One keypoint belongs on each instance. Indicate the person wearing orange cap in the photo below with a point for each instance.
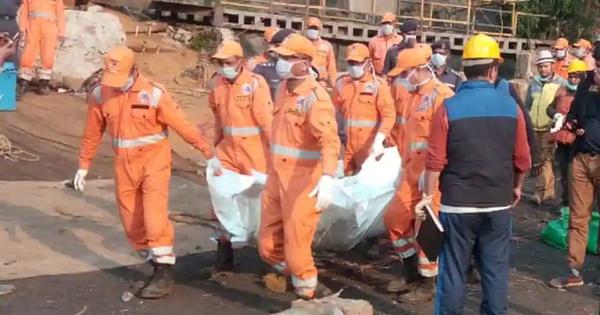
(367, 108)
(304, 154)
(136, 113)
(43, 24)
(408, 31)
(242, 107)
(325, 58)
(562, 56)
(583, 52)
(252, 62)
(387, 37)
(426, 95)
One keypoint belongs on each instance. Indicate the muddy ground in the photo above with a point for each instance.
(50, 128)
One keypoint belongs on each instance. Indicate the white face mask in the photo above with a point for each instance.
(387, 29)
(413, 87)
(561, 54)
(229, 72)
(312, 34)
(579, 52)
(284, 69)
(128, 85)
(438, 60)
(356, 71)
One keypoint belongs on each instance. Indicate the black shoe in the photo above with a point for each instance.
(224, 256)
(22, 88)
(421, 291)
(410, 274)
(161, 283)
(43, 87)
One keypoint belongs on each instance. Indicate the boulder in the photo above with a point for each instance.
(330, 305)
(90, 35)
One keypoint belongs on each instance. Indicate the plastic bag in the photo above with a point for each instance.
(556, 232)
(356, 212)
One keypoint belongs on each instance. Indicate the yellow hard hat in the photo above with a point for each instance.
(481, 47)
(577, 66)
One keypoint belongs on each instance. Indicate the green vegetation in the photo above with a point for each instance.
(206, 40)
(572, 19)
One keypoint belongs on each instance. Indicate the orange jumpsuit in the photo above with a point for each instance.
(561, 66)
(304, 146)
(243, 112)
(399, 218)
(43, 22)
(325, 61)
(401, 97)
(367, 108)
(137, 122)
(379, 46)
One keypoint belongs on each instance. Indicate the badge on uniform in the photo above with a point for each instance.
(369, 88)
(426, 103)
(246, 89)
(144, 98)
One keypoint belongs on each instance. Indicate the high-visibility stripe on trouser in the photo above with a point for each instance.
(405, 247)
(305, 287)
(288, 222)
(163, 255)
(142, 191)
(42, 38)
(426, 267)
(399, 217)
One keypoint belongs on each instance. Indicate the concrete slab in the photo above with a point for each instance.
(47, 229)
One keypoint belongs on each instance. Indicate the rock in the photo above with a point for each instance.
(127, 296)
(90, 35)
(330, 305)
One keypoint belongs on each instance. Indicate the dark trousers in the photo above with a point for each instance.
(490, 234)
(563, 152)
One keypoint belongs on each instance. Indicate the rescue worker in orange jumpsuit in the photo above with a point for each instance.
(583, 52)
(426, 95)
(325, 59)
(304, 152)
(367, 108)
(387, 37)
(243, 108)
(562, 56)
(136, 112)
(42, 23)
(252, 62)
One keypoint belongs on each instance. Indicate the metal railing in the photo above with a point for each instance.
(467, 17)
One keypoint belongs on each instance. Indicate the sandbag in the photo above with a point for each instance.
(556, 232)
(356, 212)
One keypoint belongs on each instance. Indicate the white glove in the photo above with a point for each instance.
(559, 120)
(426, 200)
(79, 179)
(377, 147)
(323, 192)
(339, 172)
(259, 178)
(214, 165)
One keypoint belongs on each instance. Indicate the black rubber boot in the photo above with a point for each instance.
(224, 256)
(161, 283)
(409, 275)
(422, 291)
(44, 87)
(22, 88)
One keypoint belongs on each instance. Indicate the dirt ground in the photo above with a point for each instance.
(51, 126)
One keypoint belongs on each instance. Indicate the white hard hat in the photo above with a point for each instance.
(544, 56)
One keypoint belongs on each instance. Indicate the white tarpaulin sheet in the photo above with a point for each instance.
(355, 214)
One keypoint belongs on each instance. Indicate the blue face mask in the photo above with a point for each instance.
(229, 72)
(571, 87)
